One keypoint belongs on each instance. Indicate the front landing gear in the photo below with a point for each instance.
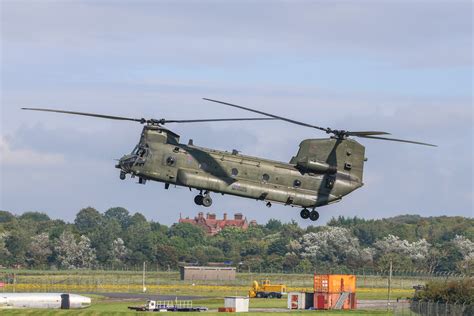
(203, 200)
(304, 213)
(198, 199)
(313, 215)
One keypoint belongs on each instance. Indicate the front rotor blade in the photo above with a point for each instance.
(366, 133)
(217, 120)
(111, 117)
(396, 140)
(269, 115)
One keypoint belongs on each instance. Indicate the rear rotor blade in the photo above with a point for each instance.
(216, 120)
(366, 133)
(270, 115)
(397, 140)
(111, 117)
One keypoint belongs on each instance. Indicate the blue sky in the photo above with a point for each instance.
(400, 66)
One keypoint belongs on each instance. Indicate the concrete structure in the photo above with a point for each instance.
(212, 225)
(43, 300)
(207, 273)
(237, 303)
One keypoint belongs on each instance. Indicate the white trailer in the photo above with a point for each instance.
(43, 300)
(240, 303)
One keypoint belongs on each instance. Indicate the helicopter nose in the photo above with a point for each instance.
(126, 163)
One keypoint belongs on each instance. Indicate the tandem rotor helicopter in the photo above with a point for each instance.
(322, 172)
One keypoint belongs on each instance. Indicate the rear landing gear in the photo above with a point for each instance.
(203, 200)
(313, 215)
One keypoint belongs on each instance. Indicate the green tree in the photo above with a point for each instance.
(459, 292)
(139, 239)
(4, 253)
(6, 217)
(88, 220)
(193, 235)
(17, 243)
(138, 218)
(278, 247)
(120, 214)
(34, 217)
(39, 250)
(166, 256)
(274, 225)
(102, 240)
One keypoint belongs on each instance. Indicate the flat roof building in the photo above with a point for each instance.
(207, 273)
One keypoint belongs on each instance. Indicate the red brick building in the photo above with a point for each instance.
(212, 225)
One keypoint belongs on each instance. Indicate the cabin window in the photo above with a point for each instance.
(170, 161)
(234, 171)
(297, 183)
(265, 177)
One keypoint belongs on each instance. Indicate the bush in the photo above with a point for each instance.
(460, 292)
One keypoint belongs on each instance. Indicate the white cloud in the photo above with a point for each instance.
(26, 157)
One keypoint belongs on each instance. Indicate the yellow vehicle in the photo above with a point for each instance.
(267, 290)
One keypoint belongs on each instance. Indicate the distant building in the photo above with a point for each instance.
(212, 225)
(207, 273)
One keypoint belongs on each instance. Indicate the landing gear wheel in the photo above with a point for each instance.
(304, 213)
(206, 201)
(313, 215)
(198, 199)
(122, 175)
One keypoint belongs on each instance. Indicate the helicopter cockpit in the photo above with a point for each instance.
(141, 151)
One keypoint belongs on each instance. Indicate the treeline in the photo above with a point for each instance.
(118, 239)
(450, 292)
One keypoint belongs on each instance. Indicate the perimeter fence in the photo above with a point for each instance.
(132, 280)
(429, 308)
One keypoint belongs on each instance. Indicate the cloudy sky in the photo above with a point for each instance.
(400, 66)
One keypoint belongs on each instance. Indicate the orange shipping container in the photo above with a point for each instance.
(324, 300)
(334, 283)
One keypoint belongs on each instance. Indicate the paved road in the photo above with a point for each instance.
(146, 296)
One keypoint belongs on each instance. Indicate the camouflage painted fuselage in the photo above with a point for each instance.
(323, 171)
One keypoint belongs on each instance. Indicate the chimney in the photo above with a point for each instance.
(200, 215)
(225, 216)
(207, 215)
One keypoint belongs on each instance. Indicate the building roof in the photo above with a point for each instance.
(212, 225)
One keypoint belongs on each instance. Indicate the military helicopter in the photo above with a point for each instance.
(322, 172)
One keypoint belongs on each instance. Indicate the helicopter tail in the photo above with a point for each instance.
(328, 156)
